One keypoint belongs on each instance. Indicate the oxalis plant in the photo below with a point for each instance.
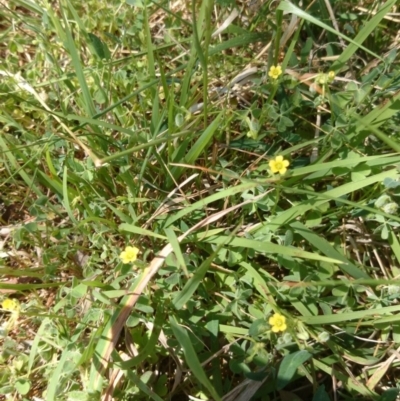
(199, 200)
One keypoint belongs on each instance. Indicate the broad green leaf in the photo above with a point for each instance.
(321, 394)
(288, 367)
(22, 386)
(100, 48)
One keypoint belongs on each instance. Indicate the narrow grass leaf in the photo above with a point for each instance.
(44, 326)
(148, 350)
(394, 243)
(27, 287)
(200, 145)
(137, 381)
(212, 198)
(76, 62)
(362, 35)
(149, 47)
(325, 247)
(259, 283)
(10, 154)
(325, 169)
(140, 231)
(239, 41)
(191, 357)
(105, 342)
(270, 248)
(381, 370)
(378, 116)
(66, 196)
(190, 287)
(173, 240)
(58, 377)
(369, 314)
(290, 214)
(353, 384)
(291, 8)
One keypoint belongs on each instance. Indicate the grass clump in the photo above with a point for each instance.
(199, 200)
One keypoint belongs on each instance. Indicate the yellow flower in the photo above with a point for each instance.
(331, 76)
(278, 323)
(11, 305)
(279, 165)
(275, 72)
(129, 255)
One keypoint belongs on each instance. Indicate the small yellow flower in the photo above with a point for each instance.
(278, 323)
(279, 165)
(331, 76)
(129, 255)
(275, 72)
(11, 305)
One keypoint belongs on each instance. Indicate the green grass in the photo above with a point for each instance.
(127, 124)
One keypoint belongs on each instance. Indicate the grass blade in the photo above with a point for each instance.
(191, 357)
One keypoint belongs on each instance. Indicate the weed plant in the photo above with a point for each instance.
(199, 200)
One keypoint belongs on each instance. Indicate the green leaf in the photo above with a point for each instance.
(173, 240)
(78, 396)
(140, 231)
(363, 34)
(258, 327)
(242, 40)
(325, 247)
(99, 47)
(289, 365)
(291, 8)
(321, 394)
(76, 61)
(194, 152)
(313, 218)
(150, 346)
(357, 315)
(23, 386)
(191, 357)
(267, 247)
(292, 213)
(390, 395)
(191, 286)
